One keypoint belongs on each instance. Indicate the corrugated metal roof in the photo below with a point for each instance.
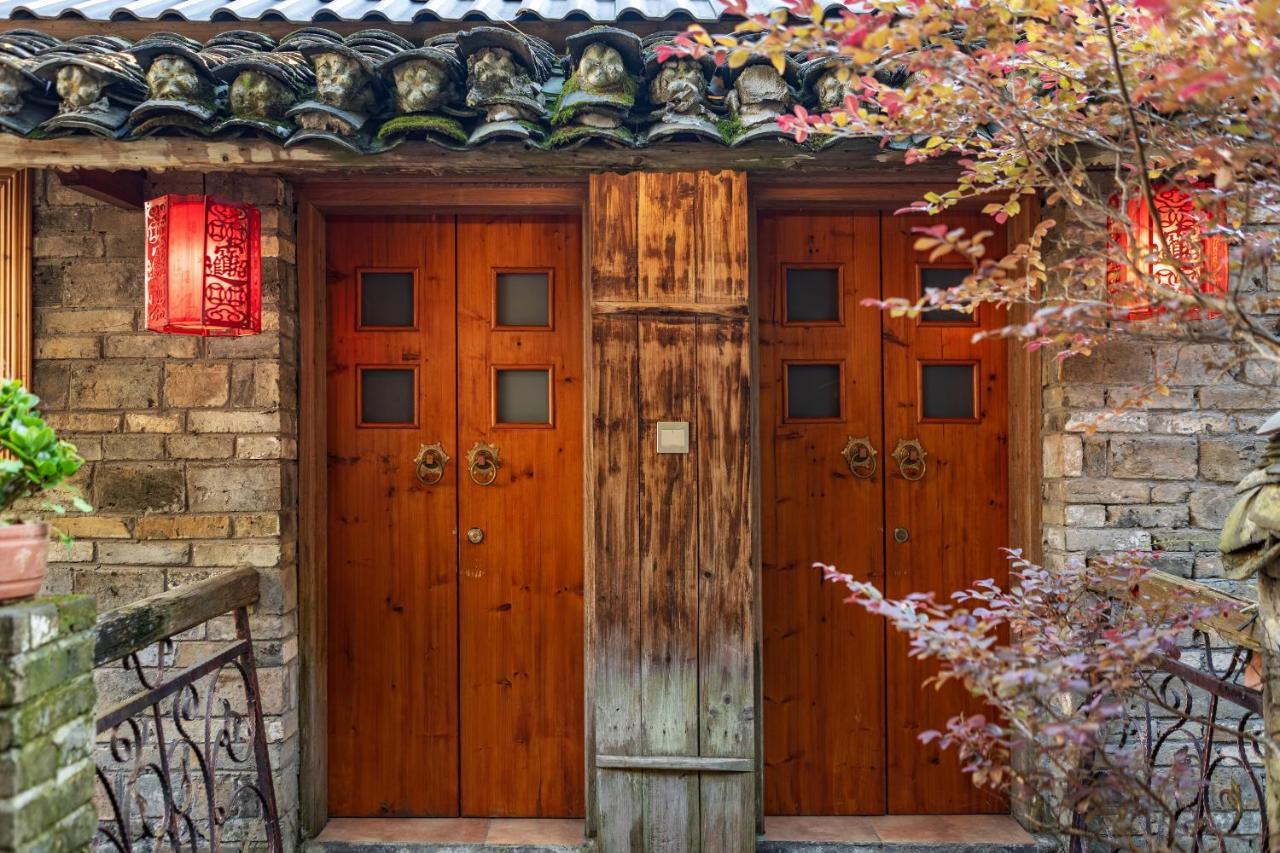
(373, 11)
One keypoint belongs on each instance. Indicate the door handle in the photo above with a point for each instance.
(861, 457)
(483, 463)
(909, 454)
(429, 463)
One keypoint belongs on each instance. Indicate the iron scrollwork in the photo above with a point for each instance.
(186, 764)
(1208, 721)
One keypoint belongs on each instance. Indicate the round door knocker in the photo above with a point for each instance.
(910, 458)
(483, 463)
(430, 463)
(861, 457)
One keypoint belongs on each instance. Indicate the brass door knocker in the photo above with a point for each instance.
(430, 463)
(483, 463)
(861, 457)
(910, 458)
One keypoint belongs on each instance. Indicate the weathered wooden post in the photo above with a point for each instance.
(671, 587)
(1250, 546)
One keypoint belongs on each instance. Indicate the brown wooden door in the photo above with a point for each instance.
(824, 744)
(951, 396)
(455, 668)
(392, 632)
(520, 389)
(843, 703)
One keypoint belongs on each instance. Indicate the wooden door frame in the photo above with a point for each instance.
(315, 202)
(1025, 459)
(319, 199)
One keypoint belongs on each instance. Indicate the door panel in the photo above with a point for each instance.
(956, 514)
(823, 659)
(455, 668)
(844, 704)
(519, 384)
(392, 632)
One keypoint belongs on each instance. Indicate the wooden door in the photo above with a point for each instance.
(824, 687)
(393, 678)
(520, 389)
(950, 395)
(844, 704)
(455, 590)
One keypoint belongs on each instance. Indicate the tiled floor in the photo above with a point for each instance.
(899, 829)
(995, 830)
(466, 830)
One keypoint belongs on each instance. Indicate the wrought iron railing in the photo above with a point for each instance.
(1204, 711)
(182, 760)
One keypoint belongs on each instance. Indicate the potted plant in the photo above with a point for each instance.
(34, 468)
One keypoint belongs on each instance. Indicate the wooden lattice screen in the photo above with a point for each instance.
(15, 274)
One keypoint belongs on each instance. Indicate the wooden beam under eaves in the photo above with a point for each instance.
(123, 189)
(15, 274)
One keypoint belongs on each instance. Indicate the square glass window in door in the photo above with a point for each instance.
(812, 296)
(387, 396)
(949, 391)
(814, 391)
(522, 299)
(387, 299)
(944, 278)
(522, 396)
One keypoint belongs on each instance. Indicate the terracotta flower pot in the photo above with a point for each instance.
(24, 554)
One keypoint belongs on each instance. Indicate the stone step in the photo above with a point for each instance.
(763, 846)
(897, 834)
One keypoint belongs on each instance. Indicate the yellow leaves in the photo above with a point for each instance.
(779, 62)
(739, 57)
(934, 142)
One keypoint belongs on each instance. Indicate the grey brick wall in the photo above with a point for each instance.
(191, 442)
(1158, 478)
(46, 724)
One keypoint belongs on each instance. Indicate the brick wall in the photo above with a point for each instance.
(191, 442)
(1157, 478)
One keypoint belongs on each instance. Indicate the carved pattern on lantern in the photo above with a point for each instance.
(227, 267)
(203, 266)
(157, 269)
(1199, 257)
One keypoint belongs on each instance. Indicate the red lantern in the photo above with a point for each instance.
(204, 266)
(1200, 255)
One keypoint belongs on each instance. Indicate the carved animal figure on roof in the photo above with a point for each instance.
(678, 87)
(601, 91)
(341, 82)
(496, 81)
(256, 93)
(760, 94)
(174, 77)
(80, 88)
(505, 73)
(13, 85)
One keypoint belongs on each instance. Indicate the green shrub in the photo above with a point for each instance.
(36, 464)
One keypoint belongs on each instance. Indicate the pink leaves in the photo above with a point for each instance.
(1089, 634)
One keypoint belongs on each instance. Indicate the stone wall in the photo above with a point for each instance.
(191, 442)
(46, 724)
(1157, 478)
